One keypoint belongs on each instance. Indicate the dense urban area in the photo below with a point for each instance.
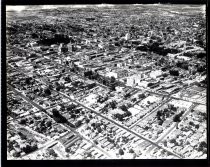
(107, 82)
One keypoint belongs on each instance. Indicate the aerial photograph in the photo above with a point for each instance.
(106, 81)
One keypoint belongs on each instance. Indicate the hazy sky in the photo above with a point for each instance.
(32, 7)
(27, 7)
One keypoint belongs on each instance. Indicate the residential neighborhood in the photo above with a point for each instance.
(101, 82)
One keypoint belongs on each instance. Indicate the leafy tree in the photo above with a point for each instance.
(173, 141)
(134, 100)
(87, 120)
(34, 35)
(57, 84)
(179, 64)
(22, 136)
(201, 69)
(77, 111)
(104, 110)
(67, 79)
(47, 92)
(159, 113)
(173, 108)
(90, 86)
(127, 95)
(34, 146)
(90, 116)
(78, 123)
(28, 81)
(49, 123)
(112, 79)
(99, 99)
(201, 55)
(113, 104)
(121, 152)
(16, 154)
(112, 87)
(23, 121)
(119, 116)
(166, 110)
(58, 88)
(123, 107)
(191, 123)
(186, 66)
(177, 118)
(52, 152)
(165, 143)
(27, 149)
(93, 124)
(202, 146)
(150, 84)
(131, 151)
(160, 122)
(141, 96)
(10, 145)
(88, 154)
(62, 107)
(88, 74)
(71, 107)
(99, 129)
(67, 150)
(127, 113)
(197, 126)
(165, 75)
(174, 72)
(73, 116)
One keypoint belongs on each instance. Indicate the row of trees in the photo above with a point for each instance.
(59, 86)
(102, 99)
(165, 113)
(46, 33)
(28, 147)
(126, 113)
(182, 64)
(199, 55)
(174, 72)
(185, 65)
(157, 47)
(194, 125)
(74, 113)
(111, 82)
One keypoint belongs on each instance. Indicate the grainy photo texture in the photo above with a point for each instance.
(106, 82)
